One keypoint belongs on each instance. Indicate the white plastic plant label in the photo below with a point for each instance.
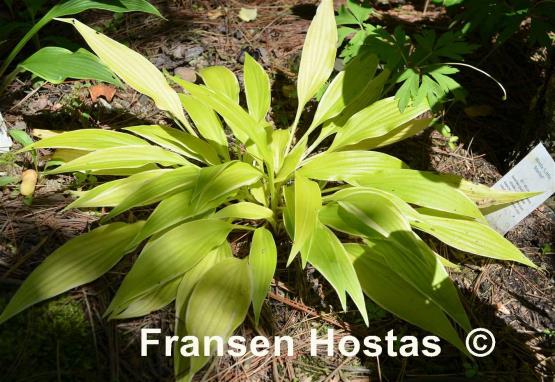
(5, 141)
(536, 172)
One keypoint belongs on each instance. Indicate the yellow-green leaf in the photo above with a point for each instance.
(167, 256)
(308, 202)
(110, 194)
(218, 304)
(150, 302)
(207, 123)
(262, 263)
(87, 140)
(327, 254)
(343, 165)
(318, 56)
(422, 188)
(280, 138)
(400, 133)
(473, 237)
(243, 125)
(77, 262)
(217, 181)
(178, 141)
(171, 211)
(221, 80)
(257, 88)
(345, 88)
(387, 289)
(122, 157)
(188, 282)
(133, 69)
(244, 210)
(485, 196)
(376, 120)
(154, 190)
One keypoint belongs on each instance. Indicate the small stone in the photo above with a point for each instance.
(264, 55)
(105, 105)
(192, 53)
(144, 100)
(186, 74)
(41, 103)
(179, 51)
(20, 125)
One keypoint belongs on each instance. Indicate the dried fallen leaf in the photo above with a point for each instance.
(101, 90)
(502, 309)
(28, 182)
(215, 14)
(248, 14)
(475, 111)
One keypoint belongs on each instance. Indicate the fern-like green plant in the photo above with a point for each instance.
(265, 182)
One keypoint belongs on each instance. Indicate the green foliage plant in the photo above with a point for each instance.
(422, 64)
(349, 211)
(55, 64)
(502, 19)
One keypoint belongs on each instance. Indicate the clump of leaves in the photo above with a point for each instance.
(56, 64)
(423, 64)
(266, 182)
(503, 19)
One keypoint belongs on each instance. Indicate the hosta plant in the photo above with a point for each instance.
(351, 213)
(56, 64)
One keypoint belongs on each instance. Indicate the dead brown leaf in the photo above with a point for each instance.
(101, 90)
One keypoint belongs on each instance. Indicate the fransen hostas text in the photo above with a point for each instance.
(259, 346)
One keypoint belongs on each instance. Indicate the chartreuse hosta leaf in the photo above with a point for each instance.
(182, 365)
(216, 181)
(223, 291)
(77, 262)
(222, 81)
(422, 188)
(374, 121)
(111, 194)
(345, 165)
(168, 256)
(345, 88)
(485, 196)
(151, 302)
(87, 140)
(383, 285)
(470, 236)
(245, 128)
(154, 190)
(262, 264)
(308, 202)
(257, 88)
(318, 54)
(133, 69)
(236, 171)
(327, 254)
(72, 7)
(245, 210)
(207, 123)
(414, 264)
(122, 157)
(178, 141)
